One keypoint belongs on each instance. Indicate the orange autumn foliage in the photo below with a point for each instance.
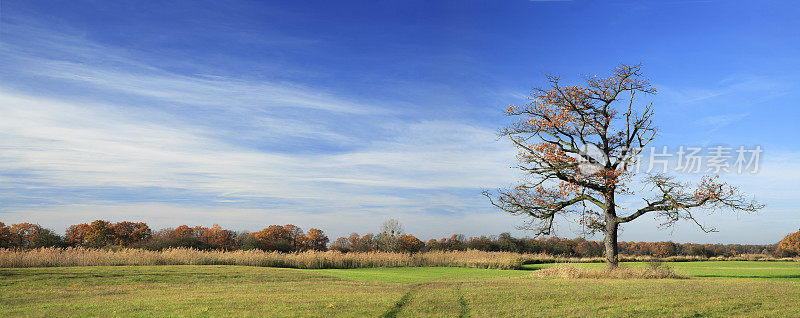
(790, 245)
(77, 234)
(183, 231)
(101, 233)
(274, 238)
(128, 233)
(356, 243)
(23, 234)
(201, 237)
(297, 240)
(316, 240)
(408, 243)
(28, 235)
(217, 238)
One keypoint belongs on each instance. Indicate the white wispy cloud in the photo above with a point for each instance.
(716, 122)
(756, 88)
(118, 126)
(91, 145)
(67, 145)
(200, 91)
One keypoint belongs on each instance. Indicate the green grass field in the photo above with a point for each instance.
(716, 289)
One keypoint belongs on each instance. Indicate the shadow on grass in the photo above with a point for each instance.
(532, 267)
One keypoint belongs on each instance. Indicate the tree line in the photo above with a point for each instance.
(577, 247)
(101, 234)
(391, 238)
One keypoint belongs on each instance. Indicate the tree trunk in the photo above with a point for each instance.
(612, 251)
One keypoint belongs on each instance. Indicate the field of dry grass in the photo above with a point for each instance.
(78, 256)
(57, 257)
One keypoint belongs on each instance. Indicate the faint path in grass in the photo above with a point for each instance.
(398, 306)
(464, 309)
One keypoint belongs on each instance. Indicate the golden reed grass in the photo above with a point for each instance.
(78, 256)
(545, 258)
(654, 271)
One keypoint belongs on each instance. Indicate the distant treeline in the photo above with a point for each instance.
(100, 234)
(290, 238)
(577, 247)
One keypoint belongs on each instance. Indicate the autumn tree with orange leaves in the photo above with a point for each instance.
(297, 240)
(128, 233)
(790, 245)
(274, 238)
(553, 133)
(316, 240)
(101, 233)
(409, 244)
(216, 237)
(28, 235)
(77, 234)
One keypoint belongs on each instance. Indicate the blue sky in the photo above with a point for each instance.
(340, 115)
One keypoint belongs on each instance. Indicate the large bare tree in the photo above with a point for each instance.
(575, 146)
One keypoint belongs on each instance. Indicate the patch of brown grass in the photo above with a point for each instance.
(654, 270)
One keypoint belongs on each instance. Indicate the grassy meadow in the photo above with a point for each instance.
(718, 288)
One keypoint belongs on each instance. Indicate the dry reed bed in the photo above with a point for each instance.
(544, 258)
(77, 256)
(654, 271)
